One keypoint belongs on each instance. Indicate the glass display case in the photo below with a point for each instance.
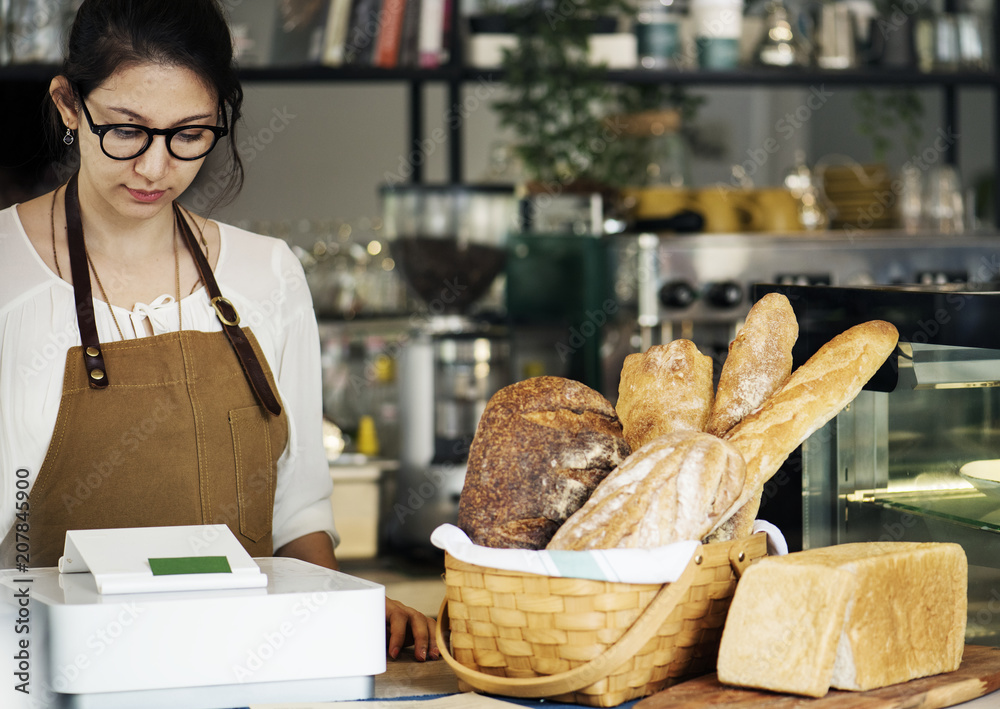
(916, 456)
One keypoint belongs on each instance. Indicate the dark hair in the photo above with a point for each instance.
(108, 35)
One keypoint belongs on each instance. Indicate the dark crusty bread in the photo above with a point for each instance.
(542, 446)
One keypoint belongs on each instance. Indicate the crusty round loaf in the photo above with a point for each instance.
(674, 488)
(541, 447)
(759, 361)
(667, 388)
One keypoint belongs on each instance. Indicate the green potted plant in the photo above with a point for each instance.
(557, 101)
(886, 114)
(573, 127)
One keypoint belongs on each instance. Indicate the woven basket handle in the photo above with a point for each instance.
(631, 641)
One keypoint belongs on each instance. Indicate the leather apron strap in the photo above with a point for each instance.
(93, 358)
(97, 373)
(230, 320)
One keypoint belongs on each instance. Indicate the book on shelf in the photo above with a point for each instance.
(411, 31)
(299, 29)
(446, 33)
(380, 33)
(252, 25)
(390, 31)
(362, 31)
(430, 38)
(338, 17)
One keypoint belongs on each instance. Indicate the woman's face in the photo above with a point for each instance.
(151, 95)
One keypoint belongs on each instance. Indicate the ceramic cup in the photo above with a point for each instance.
(775, 209)
(726, 210)
(657, 202)
(718, 26)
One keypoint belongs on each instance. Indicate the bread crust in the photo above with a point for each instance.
(672, 489)
(850, 616)
(812, 395)
(667, 388)
(759, 361)
(541, 447)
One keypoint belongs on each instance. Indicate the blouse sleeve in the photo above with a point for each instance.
(302, 496)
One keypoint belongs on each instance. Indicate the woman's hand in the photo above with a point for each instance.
(405, 626)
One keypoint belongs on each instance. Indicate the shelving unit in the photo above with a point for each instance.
(454, 76)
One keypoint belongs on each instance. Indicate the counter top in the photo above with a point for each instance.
(408, 684)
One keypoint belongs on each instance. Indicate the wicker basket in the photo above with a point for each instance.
(596, 643)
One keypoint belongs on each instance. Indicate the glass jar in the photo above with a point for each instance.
(718, 26)
(658, 34)
(35, 29)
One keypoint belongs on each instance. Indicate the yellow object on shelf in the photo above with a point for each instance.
(367, 437)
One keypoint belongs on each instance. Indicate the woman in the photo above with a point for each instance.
(158, 368)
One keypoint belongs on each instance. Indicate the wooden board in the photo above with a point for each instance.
(979, 674)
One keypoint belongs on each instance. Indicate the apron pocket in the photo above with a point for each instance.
(254, 471)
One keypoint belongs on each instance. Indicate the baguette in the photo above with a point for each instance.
(672, 489)
(759, 361)
(811, 396)
(665, 389)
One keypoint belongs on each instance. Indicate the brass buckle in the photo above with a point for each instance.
(225, 321)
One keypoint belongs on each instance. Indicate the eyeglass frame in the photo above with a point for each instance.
(168, 133)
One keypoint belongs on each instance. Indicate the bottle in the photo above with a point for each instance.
(367, 442)
(780, 46)
(718, 26)
(804, 185)
(658, 34)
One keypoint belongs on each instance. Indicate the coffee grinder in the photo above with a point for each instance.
(449, 242)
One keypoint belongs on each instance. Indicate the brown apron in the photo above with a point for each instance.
(177, 436)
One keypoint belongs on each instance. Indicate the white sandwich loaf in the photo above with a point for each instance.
(852, 617)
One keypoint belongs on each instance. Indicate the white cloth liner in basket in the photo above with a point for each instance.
(660, 565)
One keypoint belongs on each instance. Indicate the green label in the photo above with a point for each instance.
(190, 565)
(718, 53)
(657, 39)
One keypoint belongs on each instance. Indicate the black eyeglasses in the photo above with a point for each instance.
(124, 141)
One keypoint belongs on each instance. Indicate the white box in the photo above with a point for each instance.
(617, 50)
(311, 635)
(356, 502)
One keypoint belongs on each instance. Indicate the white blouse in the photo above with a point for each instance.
(266, 284)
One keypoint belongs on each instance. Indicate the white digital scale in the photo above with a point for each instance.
(284, 631)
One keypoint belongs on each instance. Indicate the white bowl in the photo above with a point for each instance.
(984, 474)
